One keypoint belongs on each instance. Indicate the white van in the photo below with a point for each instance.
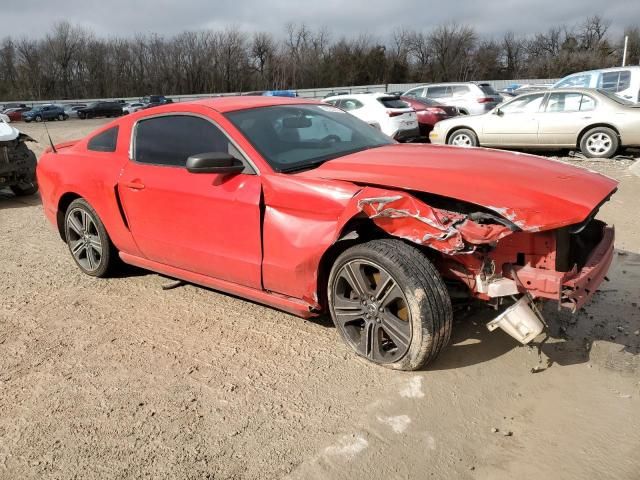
(623, 81)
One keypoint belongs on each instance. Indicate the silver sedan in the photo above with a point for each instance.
(593, 120)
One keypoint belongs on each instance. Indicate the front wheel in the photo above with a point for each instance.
(599, 142)
(88, 241)
(463, 138)
(38, 118)
(389, 304)
(25, 188)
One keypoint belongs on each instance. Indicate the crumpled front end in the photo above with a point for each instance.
(17, 162)
(494, 257)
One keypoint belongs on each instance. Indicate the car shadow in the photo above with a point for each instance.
(612, 316)
(9, 200)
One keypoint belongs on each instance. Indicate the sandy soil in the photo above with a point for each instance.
(119, 379)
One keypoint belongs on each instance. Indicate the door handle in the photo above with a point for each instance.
(134, 185)
(586, 118)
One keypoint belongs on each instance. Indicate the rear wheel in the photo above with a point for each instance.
(88, 241)
(463, 138)
(389, 304)
(599, 142)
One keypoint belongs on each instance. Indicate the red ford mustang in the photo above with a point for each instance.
(301, 206)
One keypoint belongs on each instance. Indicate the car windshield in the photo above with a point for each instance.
(296, 137)
(616, 98)
(392, 102)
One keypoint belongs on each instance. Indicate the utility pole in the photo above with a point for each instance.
(624, 51)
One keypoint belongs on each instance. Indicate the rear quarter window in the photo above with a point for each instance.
(105, 141)
(487, 89)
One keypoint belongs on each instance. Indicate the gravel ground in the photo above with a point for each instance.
(118, 378)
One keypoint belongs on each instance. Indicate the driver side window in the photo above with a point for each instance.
(170, 140)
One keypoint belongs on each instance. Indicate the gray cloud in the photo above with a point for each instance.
(33, 18)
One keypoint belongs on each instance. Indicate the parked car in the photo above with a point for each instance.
(11, 105)
(100, 109)
(389, 114)
(72, 109)
(44, 112)
(155, 100)
(595, 121)
(622, 81)
(298, 205)
(429, 112)
(17, 162)
(15, 114)
(470, 98)
(133, 107)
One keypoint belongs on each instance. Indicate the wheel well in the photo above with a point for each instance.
(63, 204)
(595, 125)
(455, 129)
(357, 230)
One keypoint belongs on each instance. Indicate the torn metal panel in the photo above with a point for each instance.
(404, 216)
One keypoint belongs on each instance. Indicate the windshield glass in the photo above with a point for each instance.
(616, 98)
(295, 137)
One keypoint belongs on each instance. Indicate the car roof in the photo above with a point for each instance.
(361, 96)
(609, 69)
(237, 102)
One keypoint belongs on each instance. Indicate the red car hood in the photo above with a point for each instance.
(534, 193)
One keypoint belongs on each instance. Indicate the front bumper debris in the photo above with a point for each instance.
(519, 321)
(571, 289)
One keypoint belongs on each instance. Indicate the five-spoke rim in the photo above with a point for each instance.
(462, 140)
(599, 143)
(372, 312)
(84, 239)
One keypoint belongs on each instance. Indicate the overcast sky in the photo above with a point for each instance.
(341, 17)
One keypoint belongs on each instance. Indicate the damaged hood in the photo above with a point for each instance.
(534, 193)
(7, 132)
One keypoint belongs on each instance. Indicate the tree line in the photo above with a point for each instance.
(71, 62)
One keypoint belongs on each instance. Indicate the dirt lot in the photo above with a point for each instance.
(119, 379)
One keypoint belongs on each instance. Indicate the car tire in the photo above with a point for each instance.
(389, 304)
(24, 189)
(87, 239)
(599, 142)
(463, 137)
(38, 118)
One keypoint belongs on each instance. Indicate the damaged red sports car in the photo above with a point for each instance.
(303, 207)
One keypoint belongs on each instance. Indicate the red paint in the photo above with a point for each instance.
(264, 236)
(428, 116)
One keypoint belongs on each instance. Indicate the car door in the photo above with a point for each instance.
(200, 222)
(565, 115)
(47, 112)
(514, 124)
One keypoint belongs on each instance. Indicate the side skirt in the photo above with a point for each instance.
(291, 305)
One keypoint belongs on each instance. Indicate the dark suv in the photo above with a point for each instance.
(155, 100)
(101, 109)
(44, 112)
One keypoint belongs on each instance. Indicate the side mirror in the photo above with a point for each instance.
(214, 162)
(498, 112)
